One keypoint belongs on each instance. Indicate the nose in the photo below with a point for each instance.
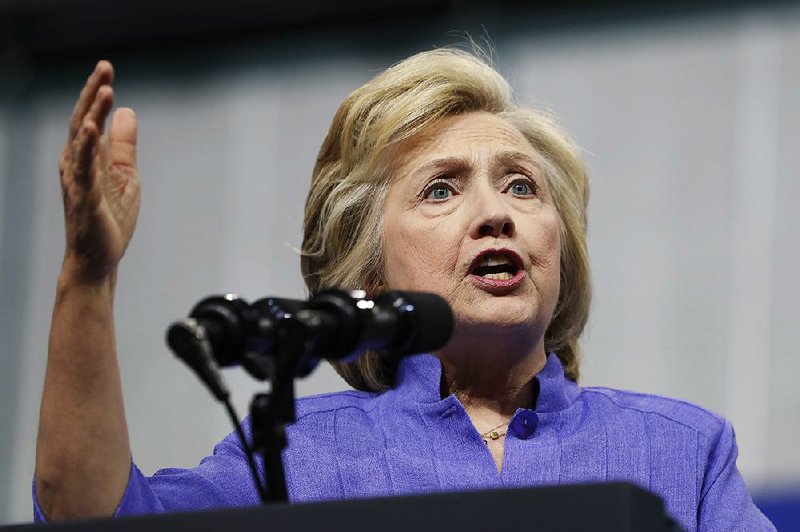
(492, 217)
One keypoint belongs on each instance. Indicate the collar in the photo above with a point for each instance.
(419, 376)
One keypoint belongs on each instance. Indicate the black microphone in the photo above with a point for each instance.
(279, 339)
(238, 333)
(334, 324)
(189, 340)
(342, 326)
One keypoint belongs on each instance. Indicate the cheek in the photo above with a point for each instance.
(418, 258)
(548, 241)
(545, 247)
(553, 243)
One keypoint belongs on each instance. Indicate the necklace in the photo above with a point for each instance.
(492, 434)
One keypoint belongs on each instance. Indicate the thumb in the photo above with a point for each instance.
(122, 137)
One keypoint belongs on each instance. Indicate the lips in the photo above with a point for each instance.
(500, 268)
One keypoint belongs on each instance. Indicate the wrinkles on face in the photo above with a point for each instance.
(419, 254)
(467, 185)
(549, 240)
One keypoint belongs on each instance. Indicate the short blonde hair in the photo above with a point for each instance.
(342, 235)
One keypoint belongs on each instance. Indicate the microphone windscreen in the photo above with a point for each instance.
(429, 321)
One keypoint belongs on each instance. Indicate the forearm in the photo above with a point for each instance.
(83, 451)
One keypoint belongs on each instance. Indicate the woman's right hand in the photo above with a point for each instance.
(83, 456)
(99, 182)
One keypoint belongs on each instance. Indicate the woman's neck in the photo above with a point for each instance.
(492, 375)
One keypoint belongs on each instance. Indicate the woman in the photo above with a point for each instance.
(430, 179)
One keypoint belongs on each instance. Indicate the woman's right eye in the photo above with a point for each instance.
(438, 192)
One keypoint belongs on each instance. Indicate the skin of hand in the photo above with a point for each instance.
(83, 450)
(99, 182)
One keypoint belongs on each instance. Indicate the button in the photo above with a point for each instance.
(524, 424)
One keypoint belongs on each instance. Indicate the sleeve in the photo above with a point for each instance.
(725, 503)
(220, 480)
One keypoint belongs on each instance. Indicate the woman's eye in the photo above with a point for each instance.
(522, 188)
(439, 192)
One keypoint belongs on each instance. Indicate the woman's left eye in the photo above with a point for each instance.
(522, 188)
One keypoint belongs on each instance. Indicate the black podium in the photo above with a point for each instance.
(617, 507)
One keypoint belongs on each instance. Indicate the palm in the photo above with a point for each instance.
(118, 208)
(100, 182)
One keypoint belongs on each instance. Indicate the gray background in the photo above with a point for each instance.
(689, 126)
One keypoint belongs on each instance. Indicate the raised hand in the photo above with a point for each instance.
(83, 451)
(99, 182)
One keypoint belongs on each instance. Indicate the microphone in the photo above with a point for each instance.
(343, 326)
(237, 333)
(189, 341)
(334, 324)
(278, 339)
(424, 321)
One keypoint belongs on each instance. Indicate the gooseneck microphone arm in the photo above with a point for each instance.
(279, 340)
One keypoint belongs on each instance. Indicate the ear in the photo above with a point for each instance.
(374, 288)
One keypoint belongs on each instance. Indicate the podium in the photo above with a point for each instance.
(617, 507)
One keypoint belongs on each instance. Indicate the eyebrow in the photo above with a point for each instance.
(457, 162)
(461, 163)
(508, 157)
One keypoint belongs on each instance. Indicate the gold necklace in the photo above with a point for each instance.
(492, 434)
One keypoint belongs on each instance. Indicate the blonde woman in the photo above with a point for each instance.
(431, 178)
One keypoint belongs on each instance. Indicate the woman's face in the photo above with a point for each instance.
(469, 217)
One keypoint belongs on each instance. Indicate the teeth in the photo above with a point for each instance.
(502, 276)
(493, 260)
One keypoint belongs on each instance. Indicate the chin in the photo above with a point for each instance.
(506, 314)
(502, 320)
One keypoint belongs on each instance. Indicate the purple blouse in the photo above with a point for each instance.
(409, 440)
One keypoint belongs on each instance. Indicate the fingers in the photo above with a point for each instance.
(100, 108)
(90, 114)
(122, 136)
(83, 155)
(100, 161)
(102, 75)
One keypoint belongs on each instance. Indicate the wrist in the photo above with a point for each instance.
(71, 278)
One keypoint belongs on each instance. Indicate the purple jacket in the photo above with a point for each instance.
(410, 440)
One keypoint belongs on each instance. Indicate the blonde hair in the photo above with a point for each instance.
(342, 235)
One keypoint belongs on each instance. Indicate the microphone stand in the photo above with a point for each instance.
(277, 340)
(269, 416)
(271, 413)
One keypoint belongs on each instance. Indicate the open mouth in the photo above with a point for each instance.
(497, 265)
